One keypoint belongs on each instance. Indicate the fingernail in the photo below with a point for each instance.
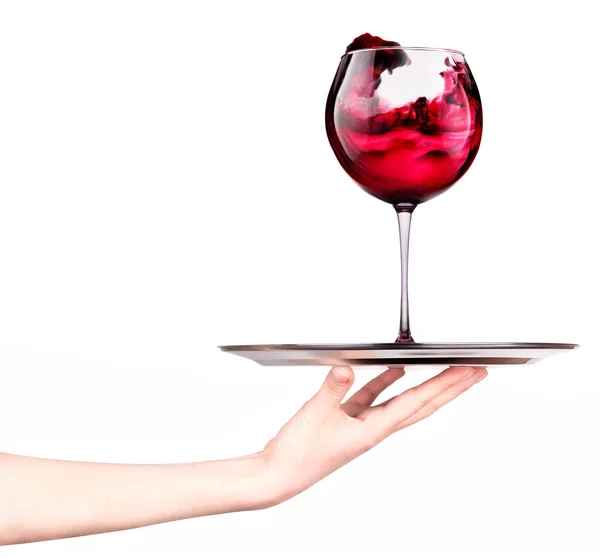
(482, 375)
(339, 376)
(468, 373)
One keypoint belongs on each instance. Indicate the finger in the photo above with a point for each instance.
(390, 414)
(335, 387)
(367, 395)
(445, 397)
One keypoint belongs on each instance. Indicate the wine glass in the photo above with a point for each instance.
(405, 123)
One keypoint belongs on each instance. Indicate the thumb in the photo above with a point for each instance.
(335, 387)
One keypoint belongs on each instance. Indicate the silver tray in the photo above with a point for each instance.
(390, 354)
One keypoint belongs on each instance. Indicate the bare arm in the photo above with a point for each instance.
(43, 499)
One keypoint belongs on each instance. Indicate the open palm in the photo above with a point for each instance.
(326, 433)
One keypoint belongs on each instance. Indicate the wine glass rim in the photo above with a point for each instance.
(406, 48)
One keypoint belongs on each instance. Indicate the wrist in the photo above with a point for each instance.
(264, 487)
(250, 482)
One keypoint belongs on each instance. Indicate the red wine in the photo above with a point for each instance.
(408, 153)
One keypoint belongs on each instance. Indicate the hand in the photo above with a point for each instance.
(326, 433)
(43, 499)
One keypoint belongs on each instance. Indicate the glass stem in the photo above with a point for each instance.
(404, 211)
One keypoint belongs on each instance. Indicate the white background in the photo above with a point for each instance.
(166, 186)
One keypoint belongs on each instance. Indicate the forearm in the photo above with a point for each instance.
(43, 499)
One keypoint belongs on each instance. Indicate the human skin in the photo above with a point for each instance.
(42, 499)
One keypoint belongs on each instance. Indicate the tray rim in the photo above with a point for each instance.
(397, 346)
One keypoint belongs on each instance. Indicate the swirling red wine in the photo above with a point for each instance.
(403, 152)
